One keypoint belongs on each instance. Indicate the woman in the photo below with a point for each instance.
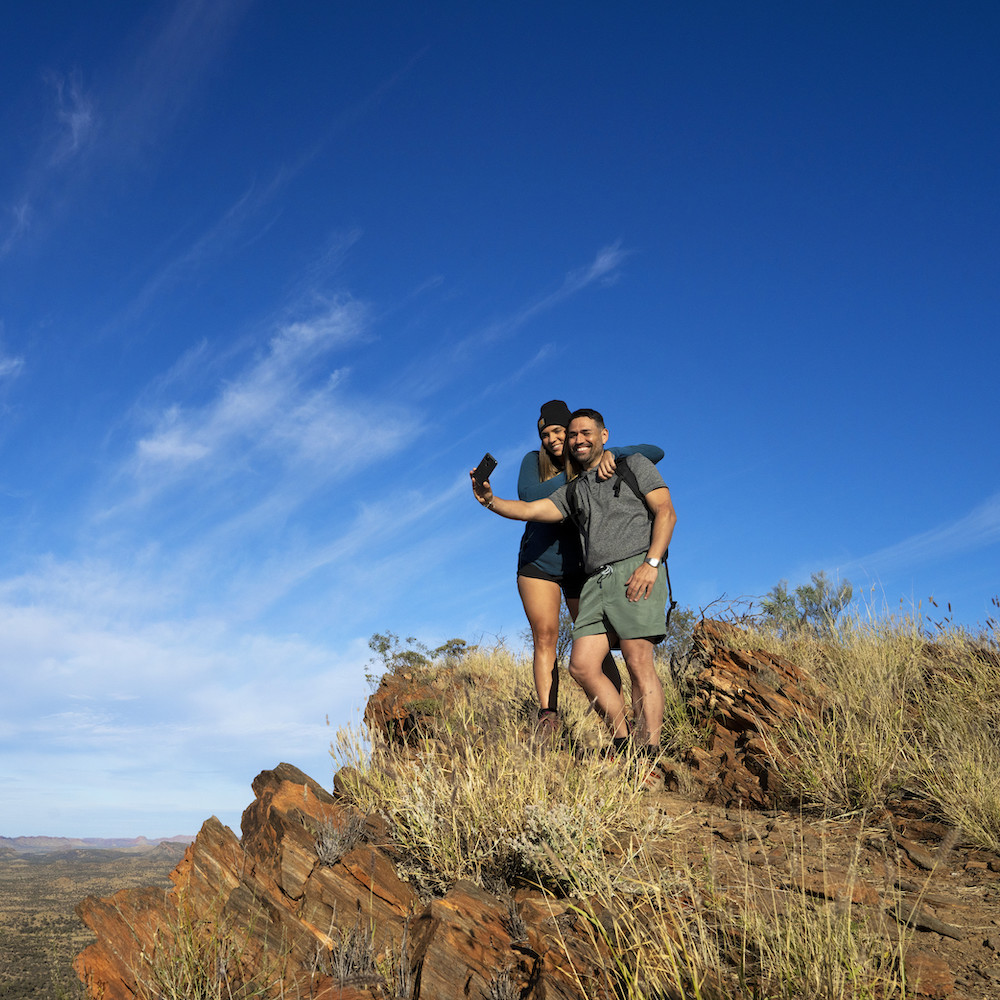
(550, 562)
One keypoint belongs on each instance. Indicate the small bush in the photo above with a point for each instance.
(334, 840)
(353, 961)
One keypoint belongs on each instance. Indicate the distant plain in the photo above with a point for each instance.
(39, 931)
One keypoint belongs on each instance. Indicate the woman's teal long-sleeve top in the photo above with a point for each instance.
(555, 548)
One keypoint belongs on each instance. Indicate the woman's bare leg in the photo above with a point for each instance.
(541, 600)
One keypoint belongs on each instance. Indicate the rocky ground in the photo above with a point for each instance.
(909, 875)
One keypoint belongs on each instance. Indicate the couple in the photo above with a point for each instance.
(624, 530)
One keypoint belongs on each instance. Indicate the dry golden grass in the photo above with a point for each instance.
(207, 956)
(478, 798)
(908, 716)
(674, 936)
(475, 797)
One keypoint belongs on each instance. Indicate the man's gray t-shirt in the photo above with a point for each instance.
(611, 527)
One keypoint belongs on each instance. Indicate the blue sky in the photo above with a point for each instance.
(273, 278)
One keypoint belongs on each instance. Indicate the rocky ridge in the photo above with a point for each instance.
(310, 874)
(49, 845)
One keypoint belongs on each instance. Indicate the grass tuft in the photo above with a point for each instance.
(909, 715)
(334, 840)
(209, 956)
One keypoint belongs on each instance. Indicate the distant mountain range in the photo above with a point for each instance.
(45, 845)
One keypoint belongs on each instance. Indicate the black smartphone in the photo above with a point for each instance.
(485, 468)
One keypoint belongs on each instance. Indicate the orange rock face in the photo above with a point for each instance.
(742, 696)
(266, 908)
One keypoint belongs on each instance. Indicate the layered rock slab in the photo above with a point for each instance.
(742, 697)
(289, 917)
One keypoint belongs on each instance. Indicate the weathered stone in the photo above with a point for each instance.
(113, 965)
(745, 695)
(929, 975)
(289, 913)
(920, 917)
(467, 922)
(731, 833)
(837, 885)
(398, 706)
(921, 857)
(287, 909)
(362, 884)
(210, 865)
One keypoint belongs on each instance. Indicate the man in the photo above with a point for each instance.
(625, 539)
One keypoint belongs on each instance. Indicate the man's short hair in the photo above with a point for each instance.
(589, 414)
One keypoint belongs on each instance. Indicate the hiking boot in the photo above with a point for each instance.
(644, 766)
(652, 779)
(548, 725)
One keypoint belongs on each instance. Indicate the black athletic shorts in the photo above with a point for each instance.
(571, 583)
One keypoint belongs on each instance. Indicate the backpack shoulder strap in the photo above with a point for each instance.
(626, 474)
(571, 500)
(624, 471)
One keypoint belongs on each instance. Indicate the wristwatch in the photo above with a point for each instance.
(653, 562)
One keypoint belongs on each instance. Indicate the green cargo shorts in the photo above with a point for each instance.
(605, 608)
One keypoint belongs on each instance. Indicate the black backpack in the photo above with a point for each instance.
(623, 474)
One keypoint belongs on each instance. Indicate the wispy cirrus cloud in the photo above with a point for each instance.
(976, 530)
(68, 131)
(253, 462)
(166, 72)
(241, 218)
(83, 126)
(10, 367)
(284, 402)
(76, 116)
(603, 270)
(18, 224)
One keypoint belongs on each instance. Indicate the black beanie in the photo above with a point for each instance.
(555, 411)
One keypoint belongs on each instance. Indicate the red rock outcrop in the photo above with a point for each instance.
(742, 697)
(277, 892)
(269, 897)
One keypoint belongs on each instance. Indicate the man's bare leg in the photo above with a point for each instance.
(647, 690)
(586, 668)
(610, 666)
